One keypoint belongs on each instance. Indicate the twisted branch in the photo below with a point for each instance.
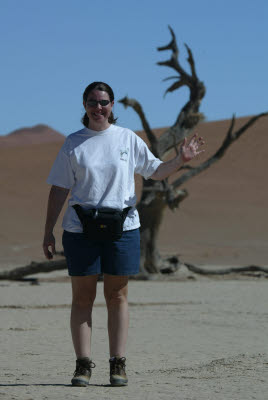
(189, 115)
(173, 62)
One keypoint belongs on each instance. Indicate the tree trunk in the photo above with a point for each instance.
(151, 216)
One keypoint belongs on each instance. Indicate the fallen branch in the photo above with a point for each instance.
(225, 271)
(32, 269)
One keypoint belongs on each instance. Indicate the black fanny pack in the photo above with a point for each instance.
(102, 223)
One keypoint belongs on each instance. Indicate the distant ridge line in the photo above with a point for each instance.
(37, 134)
(42, 133)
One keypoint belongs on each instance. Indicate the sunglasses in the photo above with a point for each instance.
(94, 103)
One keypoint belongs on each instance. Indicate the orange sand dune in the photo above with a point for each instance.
(223, 221)
(32, 135)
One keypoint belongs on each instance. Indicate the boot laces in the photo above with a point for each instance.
(82, 369)
(117, 365)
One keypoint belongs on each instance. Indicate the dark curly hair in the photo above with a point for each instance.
(103, 87)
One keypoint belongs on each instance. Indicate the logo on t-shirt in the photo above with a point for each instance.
(124, 154)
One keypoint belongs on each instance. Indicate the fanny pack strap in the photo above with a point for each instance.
(125, 212)
(79, 211)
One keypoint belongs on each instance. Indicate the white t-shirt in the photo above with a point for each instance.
(99, 167)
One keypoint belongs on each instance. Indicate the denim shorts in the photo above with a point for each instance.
(87, 257)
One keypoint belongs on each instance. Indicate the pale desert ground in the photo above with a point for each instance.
(192, 338)
(197, 340)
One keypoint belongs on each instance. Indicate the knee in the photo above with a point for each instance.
(115, 297)
(84, 301)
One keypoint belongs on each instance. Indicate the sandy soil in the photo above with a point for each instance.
(195, 340)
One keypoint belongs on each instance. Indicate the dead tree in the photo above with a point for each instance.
(156, 196)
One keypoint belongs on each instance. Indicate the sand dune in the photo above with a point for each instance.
(31, 135)
(223, 221)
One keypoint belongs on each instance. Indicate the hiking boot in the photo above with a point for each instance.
(82, 372)
(118, 375)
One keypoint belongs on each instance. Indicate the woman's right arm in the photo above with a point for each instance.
(56, 199)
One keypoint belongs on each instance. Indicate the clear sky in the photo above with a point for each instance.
(51, 50)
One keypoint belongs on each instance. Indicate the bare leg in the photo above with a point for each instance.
(115, 292)
(84, 293)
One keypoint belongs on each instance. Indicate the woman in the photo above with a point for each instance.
(97, 164)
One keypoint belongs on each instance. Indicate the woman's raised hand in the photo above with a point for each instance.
(190, 150)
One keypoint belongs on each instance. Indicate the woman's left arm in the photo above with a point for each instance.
(187, 153)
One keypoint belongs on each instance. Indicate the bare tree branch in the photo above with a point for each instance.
(138, 108)
(173, 62)
(172, 45)
(189, 115)
(170, 77)
(175, 145)
(240, 131)
(229, 139)
(190, 60)
(186, 167)
(176, 85)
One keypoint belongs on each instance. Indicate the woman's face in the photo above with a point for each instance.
(98, 114)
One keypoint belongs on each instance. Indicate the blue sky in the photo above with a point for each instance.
(51, 50)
